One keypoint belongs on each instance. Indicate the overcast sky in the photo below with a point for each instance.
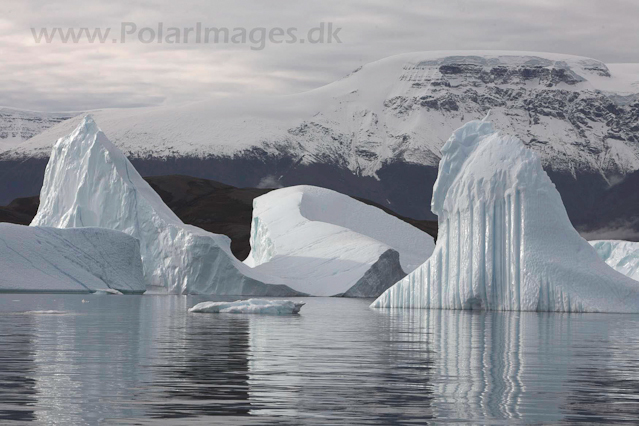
(79, 76)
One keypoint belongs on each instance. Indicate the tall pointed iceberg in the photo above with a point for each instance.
(504, 239)
(89, 183)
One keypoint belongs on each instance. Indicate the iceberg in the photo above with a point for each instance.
(108, 291)
(324, 243)
(89, 183)
(251, 306)
(504, 239)
(86, 260)
(622, 256)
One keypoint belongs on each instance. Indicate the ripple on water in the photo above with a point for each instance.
(136, 360)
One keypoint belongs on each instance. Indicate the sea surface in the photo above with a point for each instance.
(87, 359)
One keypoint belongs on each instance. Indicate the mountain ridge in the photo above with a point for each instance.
(377, 132)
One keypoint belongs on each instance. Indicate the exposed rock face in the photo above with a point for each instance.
(20, 211)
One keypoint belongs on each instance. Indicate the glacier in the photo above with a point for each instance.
(86, 260)
(622, 256)
(504, 239)
(251, 306)
(90, 183)
(324, 243)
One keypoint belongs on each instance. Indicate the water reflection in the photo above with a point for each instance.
(478, 361)
(17, 383)
(139, 360)
(338, 363)
(86, 358)
(202, 368)
(605, 384)
(512, 367)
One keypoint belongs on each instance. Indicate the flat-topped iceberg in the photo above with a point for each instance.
(622, 256)
(89, 183)
(504, 239)
(324, 243)
(86, 260)
(251, 306)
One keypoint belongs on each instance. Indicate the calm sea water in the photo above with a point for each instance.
(78, 359)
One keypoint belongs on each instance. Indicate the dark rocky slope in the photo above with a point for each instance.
(210, 205)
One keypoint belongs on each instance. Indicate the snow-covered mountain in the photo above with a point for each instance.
(377, 132)
(17, 126)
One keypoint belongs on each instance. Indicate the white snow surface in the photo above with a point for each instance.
(251, 306)
(380, 113)
(504, 239)
(90, 183)
(36, 259)
(17, 126)
(321, 242)
(622, 256)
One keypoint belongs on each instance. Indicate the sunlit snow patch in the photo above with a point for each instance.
(505, 241)
(251, 306)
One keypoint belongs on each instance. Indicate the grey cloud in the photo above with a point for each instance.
(82, 76)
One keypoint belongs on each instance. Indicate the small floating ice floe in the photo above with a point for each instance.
(45, 312)
(107, 291)
(251, 306)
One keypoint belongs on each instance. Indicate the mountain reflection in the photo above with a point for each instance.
(338, 370)
(203, 372)
(17, 383)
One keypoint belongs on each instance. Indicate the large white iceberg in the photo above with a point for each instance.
(251, 306)
(504, 239)
(89, 183)
(622, 256)
(87, 260)
(324, 243)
